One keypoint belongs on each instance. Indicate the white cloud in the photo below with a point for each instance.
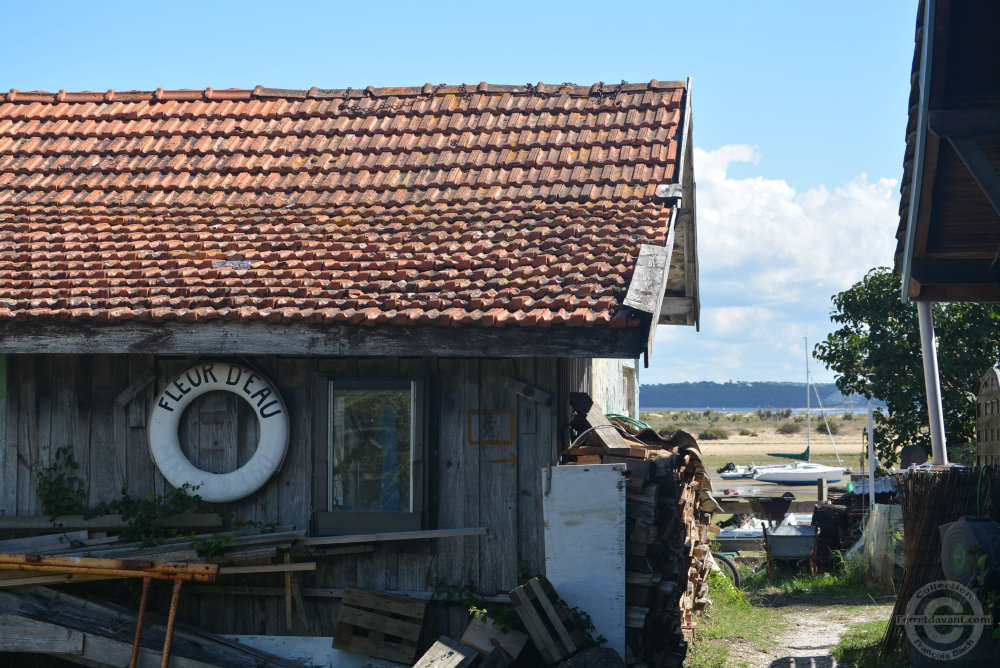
(770, 260)
(764, 237)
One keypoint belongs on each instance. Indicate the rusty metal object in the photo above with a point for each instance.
(124, 568)
(168, 640)
(134, 659)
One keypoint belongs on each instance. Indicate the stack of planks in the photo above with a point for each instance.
(668, 512)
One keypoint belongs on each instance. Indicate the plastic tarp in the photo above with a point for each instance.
(883, 546)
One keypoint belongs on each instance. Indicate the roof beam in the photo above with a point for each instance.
(952, 272)
(982, 171)
(964, 122)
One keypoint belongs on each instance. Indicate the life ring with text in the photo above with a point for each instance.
(249, 385)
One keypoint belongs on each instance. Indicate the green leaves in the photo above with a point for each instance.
(876, 352)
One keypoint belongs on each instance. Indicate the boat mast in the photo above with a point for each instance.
(808, 404)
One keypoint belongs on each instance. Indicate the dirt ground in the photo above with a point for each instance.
(813, 627)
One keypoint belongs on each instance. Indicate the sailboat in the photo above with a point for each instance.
(803, 471)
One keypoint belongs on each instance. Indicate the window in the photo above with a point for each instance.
(373, 460)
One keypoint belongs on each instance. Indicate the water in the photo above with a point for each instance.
(729, 411)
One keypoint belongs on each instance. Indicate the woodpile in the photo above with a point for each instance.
(668, 511)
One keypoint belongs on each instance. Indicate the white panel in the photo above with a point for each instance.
(309, 651)
(584, 512)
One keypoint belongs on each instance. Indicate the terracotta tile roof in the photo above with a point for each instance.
(446, 205)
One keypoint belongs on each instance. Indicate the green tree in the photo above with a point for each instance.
(876, 353)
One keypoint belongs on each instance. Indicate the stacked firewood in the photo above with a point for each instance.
(668, 512)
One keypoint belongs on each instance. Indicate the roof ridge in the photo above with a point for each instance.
(540, 89)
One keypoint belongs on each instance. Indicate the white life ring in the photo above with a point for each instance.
(245, 383)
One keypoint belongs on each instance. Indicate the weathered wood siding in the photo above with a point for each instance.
(474, 478)
(613, 385)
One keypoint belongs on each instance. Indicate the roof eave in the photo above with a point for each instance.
(311, 339)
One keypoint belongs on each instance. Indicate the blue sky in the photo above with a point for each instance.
(799, 116)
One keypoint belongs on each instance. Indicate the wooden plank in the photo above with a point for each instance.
(603, 431)
(139, 467)
(447, 653)
(497, 489)
(104, 479)
(268, 568)
(318, 592)
(101, 651)
(37, 544)
(135, 388)
(18, 634)
(294, 378)
(8, 442)
(645, 290)
(456, 472)
(367, 618)
(741, 506)
(536, 627)
(27, 441)
(483, 635)
(379, 622)
(554, 612)
(396, 605)
(258, 338)
(105, 522)
(533, 448)
(379, 648)
(45, 450)
(14, 579)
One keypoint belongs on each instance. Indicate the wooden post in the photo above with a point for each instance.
(821, 490)
(288, 593)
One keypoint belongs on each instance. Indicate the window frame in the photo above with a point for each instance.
(330, 522)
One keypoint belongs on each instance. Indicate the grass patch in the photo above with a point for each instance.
(713, 434)
(747, 432)
(859, 646)
(846, 578)
(732, 616)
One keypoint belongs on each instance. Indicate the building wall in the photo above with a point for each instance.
(614, 385)
(55, 401)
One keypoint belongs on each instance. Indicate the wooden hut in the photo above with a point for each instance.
(412, 279)
(988, 419)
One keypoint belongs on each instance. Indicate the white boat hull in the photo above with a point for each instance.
(800, 474)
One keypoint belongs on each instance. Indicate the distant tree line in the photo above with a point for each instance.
(760, 394)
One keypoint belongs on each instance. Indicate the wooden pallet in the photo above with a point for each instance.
(379, 625)
(547, 621)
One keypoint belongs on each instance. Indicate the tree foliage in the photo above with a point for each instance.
(876, 353)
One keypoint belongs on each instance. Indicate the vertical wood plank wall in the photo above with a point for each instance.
(486, 446)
